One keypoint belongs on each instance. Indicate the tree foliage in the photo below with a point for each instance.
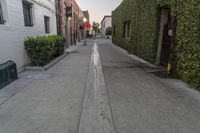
(109, 31)
(44, 48)
(95, 27)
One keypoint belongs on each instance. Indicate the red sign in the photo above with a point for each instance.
(87, 26)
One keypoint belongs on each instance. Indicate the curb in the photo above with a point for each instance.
(46, 67)
(53, 62)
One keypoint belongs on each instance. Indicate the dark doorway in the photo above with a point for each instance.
(165, 35)
(166, 42)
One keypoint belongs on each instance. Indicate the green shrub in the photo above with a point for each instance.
(59, 45)
(109, 31)
(43, 49)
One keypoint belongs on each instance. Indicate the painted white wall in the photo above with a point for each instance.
(105, 24)
(13, 32)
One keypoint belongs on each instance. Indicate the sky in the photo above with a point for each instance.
(98, 8)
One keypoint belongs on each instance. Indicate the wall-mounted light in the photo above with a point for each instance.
(84, 20)
(170, 31)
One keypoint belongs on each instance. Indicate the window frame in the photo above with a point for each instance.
(47, 25)
(28, 6)
(127, 30)
(114, 30)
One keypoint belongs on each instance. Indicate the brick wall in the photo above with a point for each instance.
(72, 33)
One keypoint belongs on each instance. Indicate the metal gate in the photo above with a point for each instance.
(8, 73)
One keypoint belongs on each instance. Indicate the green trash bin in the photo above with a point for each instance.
(8, 73)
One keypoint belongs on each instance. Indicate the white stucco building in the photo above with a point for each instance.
(22, 18)
(105, 23)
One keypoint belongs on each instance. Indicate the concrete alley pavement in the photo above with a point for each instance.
(99, 88)
(51, 105)
(144, 103)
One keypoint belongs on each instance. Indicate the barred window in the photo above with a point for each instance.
(1, 15)
(47, 24)
(28, 17)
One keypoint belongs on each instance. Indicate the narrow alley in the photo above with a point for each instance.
(100, 88)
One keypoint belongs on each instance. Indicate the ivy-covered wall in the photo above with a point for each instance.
(144, 16)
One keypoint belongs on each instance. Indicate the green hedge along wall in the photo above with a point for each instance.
(144, 16)
(43, 49)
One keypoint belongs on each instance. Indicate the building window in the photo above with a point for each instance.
(28, 16)
(127, 29)
(1, 15)
(47, 24)
(114, 30)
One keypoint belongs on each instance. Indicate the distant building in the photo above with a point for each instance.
(86, 14)
(105, 23)
(20, 19)
(69, 20)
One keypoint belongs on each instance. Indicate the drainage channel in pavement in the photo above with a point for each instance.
(96, 116)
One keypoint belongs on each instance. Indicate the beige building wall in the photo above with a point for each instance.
(105, 23)
(13, 32)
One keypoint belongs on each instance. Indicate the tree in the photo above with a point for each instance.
(95, 28)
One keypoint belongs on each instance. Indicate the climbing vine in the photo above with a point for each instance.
(144, 17)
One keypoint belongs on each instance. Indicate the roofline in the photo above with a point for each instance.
(106, 16)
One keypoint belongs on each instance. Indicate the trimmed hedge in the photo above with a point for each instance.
(43, 49)
(145, 15)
